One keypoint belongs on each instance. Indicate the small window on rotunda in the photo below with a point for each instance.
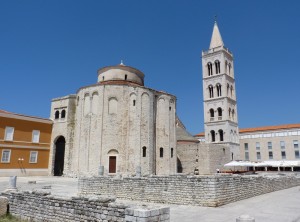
(102, 78)
(161, 152)
(172, 152)
(144, 151)
(170, 108)
(125, 77)
(133, 102)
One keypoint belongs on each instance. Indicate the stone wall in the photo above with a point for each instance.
(206, 158)
(212, 191)
(41, 206)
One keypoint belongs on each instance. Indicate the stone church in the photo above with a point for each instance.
(119, 126)
(117, 123)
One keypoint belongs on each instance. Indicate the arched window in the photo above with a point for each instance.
(87, 104)
(219, 113)
(212, 113)
(219, 89)
(133, 102)
(125, 77)
(217, 65)
(226, 64)
(161, 152)
(144, 151)
(229, 68)
(56, 114)
(228, 87)
(172, 152)
(63, 113)
(211, 91)
(233, 113)
(213, 136)
(77, 101)
(112, 106)
(231, 90)
(95, 102)
(209, 69)
(229, 113)
(221, 133)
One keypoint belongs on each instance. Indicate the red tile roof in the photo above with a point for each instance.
(199, 134)
(267, 128)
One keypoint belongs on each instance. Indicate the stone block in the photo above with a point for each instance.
(130, 218)
(3, 205)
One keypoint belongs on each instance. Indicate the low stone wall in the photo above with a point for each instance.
(41, 206)
(212, 191)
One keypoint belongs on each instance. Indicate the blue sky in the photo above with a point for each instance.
(49, 49)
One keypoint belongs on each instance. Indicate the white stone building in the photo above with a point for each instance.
(117, 123)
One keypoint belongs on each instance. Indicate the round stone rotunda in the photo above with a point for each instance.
(118, 124)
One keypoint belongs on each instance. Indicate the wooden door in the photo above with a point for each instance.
(112, 164)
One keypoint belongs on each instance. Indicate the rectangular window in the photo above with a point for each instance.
(283, 155)
(282, 145)
(269, 145)
(246, 155)
(296, 145)
(258, 156)
(35, 136)
(297, 154)
(270, 155)
(246, 146)
(5, 158)
(33, 156)
(257, 146)
(9, 133)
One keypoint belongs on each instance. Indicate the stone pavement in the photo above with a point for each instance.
(280, 206)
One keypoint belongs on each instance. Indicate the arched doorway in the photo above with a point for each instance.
(179, 166)
(112, 161)
(59, 156)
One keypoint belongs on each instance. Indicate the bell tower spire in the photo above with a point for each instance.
(216, 38)
(220, 106)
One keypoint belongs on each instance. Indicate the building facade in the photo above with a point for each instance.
(270, 143)
(219, 95)
(117, 123)
(24, 144)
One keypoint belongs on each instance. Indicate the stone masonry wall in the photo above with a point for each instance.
(41, 206)
(212, 191)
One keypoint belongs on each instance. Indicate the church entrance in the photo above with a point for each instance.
(59, 156)
(112, 164)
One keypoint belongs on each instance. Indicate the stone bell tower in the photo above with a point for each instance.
(220, 106)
